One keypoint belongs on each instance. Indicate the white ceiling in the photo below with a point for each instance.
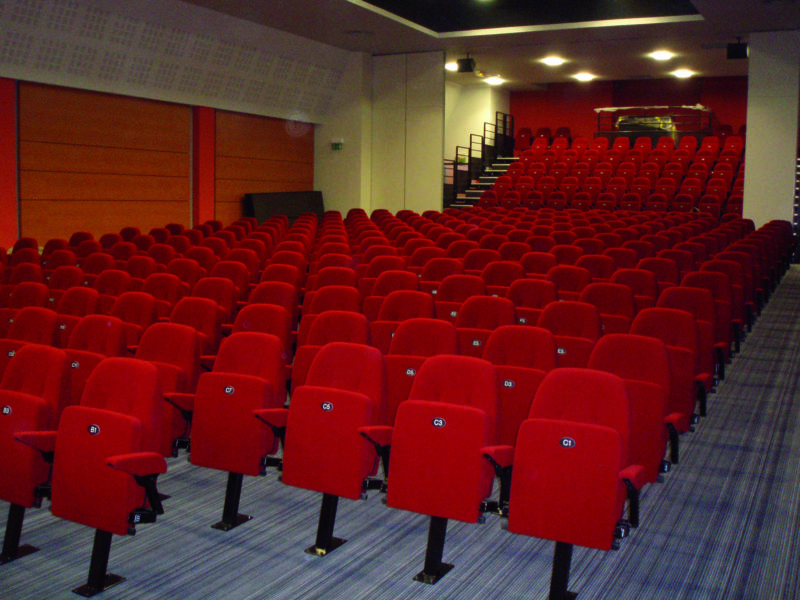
(611, 52)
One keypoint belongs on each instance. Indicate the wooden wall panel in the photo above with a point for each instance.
(66, 115)
(259, 154)
(98, 162)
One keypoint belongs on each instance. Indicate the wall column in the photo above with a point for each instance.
(203, 164)
(773, 94)
(9, 164)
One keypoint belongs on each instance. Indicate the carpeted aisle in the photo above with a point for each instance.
(723, 525)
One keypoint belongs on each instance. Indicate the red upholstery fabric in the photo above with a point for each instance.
(438, 433)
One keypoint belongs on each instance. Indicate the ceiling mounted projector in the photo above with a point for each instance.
(737, 50)
(466, 65)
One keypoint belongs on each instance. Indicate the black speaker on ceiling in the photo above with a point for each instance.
(737, 50)
(466, 65)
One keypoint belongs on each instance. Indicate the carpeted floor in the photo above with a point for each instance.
(722, 525)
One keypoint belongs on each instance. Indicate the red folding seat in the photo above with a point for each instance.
(436, 442)
(331, 297)
(24, 255)
(367, 274)
(248, 258)
(59, 258)
(93, 338)
(285, 273)
(30, 325)
(94, 264)
(221, 290)
(122, 251)
(601, 267)
(530, 296)
(566, 254)
(206, 258)
(514, 250)
(329, 326)
(33, 392)
(25, 293)
(110, 285)
(643, 249)
(204, 316)
(238, 273)
(643, 363)
(175, 351)
(452, 293)
(248, 376)
(569, 280)
(665, 271)
(677, 329)
(751, 280)
(521, 356)
(386, 282)
(537, 264)
(140, 268)
(106, 460)
(60, 280)
(413, 342)
(398, 306)
(82, 237)
(614, 302)
(478, 317)
(576, 327)
(422, 255)
(435, 270)
(76, 303)
(345, 391)
(167, 289)
(700, 304)
(642, 283)
(741, 309)
(571, 468)
(590, 245)
(137, 310)
(129, 232)
(499, 275)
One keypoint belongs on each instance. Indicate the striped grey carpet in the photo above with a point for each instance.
(723, 525)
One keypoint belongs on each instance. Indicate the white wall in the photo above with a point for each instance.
(467, 108)
(343, 175)
(772, 105)
(407, 131)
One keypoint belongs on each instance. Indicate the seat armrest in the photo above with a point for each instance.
(42, 441)
(635, 474)
(380, 435)
(499, 456)
(138, 464)
(274, 417)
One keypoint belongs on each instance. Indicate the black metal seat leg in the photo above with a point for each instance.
(99, 580)
(230, 511)
(559, 580)
(325, 542)
(434, 568)
(11, 548)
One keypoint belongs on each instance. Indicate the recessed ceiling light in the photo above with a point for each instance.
(553, 61)
(683, 73)
(494, 80)
(451, 66)
(584, 76)
(661, 55)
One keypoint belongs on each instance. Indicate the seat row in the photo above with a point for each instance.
(346, 382)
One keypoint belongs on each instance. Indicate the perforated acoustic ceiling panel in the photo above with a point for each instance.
(167, 50)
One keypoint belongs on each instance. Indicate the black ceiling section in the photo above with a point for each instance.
(444, 16)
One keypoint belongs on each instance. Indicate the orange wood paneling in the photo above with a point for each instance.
(260, 154)
(265, 138)
(60, 218)
(65, 115)
(46, 185)
(257, 169)
(70, 158)
(99, 161)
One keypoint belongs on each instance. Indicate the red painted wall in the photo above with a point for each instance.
(9, 207)
(572, 104)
